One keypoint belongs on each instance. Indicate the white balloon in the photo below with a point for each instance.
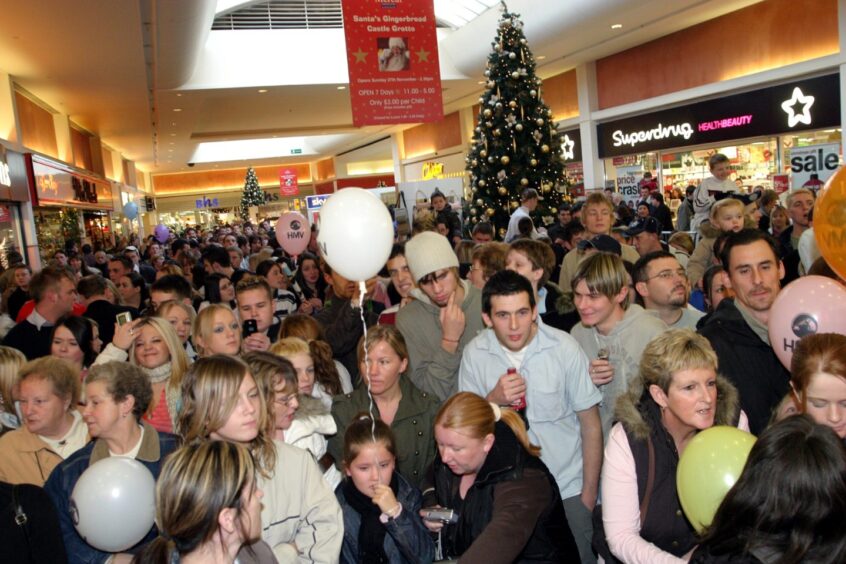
(113, 504)
(356, 233)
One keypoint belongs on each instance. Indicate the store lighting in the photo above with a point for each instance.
(617, 26)
(262, 90)
(177, 109)
(342, 88)
(539, 58)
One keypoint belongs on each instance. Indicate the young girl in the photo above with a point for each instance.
(295, 419)
(10, 362)
(316, 374)
(381, 522)
(218, 290)
(216, 331)
(308, 329)
(181, 316)
(309, 285)
(285, 302)
(300, 517)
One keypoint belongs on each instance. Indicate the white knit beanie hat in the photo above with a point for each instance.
(428, 252)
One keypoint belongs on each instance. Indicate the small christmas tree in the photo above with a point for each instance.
(253, 196)
(515, 145)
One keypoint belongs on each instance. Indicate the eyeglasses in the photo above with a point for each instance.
(670, 274)
(438, 277)
(286, 400)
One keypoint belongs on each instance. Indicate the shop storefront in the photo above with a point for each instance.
(571, 153)
(762, 132)
(14, 191)
(68, 204)
(217, 208)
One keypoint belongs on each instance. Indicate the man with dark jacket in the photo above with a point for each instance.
(54, 292)
(341, 317)
(738, 328)
(799, 204)
(100, 305)
(661, 211)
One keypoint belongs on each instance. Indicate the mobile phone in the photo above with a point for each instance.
(123, 318)
(250, 327)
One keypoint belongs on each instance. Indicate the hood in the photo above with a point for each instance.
(418, 294)
(632, 406)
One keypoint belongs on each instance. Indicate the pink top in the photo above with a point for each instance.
(160, 417)
(621, 503)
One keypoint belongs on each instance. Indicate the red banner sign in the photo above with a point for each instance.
(392, 55)
(288, 182)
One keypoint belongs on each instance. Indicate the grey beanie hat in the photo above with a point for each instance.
(428, 252)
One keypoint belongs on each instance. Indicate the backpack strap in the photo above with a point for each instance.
(650, 481)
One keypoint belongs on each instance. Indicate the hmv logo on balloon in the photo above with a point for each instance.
(292, 233)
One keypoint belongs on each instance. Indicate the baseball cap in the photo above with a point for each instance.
(638, 226)
(602, 243)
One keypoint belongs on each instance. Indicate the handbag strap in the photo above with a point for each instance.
(21, 518)
(650, 481)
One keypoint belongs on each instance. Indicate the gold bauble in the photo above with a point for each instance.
(483, 153)
(539, 121)
(524, 181)
(553, 210)
(533, 162)
(487, 112)
(490, 160)
(544, 188)
(505, 160)
(533, 93)
(544, 148)
(515, 75)
(474, 162)
(479, 202)
(481, 183)
(502, 191)
(512, 104)
(490, 212)
(515, 204)
(497, 132)
(518, 127)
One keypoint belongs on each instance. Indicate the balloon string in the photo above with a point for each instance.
(362, 289)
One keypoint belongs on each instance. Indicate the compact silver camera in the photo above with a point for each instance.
(445, 516)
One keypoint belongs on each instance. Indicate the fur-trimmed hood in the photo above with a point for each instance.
(631, 408)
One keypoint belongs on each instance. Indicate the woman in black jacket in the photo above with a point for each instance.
(507, 503)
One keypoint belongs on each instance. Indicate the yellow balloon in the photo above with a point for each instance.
(830, 222)
(708, 468)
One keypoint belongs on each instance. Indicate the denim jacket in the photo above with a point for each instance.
(155, 447)
(408, 540)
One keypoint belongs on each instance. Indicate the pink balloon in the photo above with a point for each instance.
(808, 305)
(293, 233)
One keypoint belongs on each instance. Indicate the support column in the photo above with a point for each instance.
(594, 170)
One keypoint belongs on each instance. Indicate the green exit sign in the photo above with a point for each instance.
(296, 151)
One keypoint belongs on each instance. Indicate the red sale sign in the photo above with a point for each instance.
(392, 55)
(288, 182)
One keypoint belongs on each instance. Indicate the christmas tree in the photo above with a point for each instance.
(515, 145)
(253, 196)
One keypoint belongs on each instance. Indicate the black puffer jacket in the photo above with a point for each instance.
(511, 513)
(450, 218)
(748, 362)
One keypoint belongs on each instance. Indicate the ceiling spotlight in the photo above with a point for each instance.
(342, 88)
(262, 90)
(177, 109)
(540, 57)
(173, 134)
(617, 26)
(178, 95)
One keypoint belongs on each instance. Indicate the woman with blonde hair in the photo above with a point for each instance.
(152, 344)
(506, 502)
(208, 506)
(316, 373)
(677, 394)
(10, 362)
(300, 516)
(308, 329)
(117, 396)
(216, 331)
(818, 379)
(181, 316)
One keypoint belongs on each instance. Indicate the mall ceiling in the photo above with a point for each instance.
(126, 69)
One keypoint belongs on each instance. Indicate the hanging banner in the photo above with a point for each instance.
(288, 182)
(392, 56)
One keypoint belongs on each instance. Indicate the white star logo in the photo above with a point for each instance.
(567, 147)
(788, 106)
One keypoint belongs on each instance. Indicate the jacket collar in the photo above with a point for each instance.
(504, 457)
(150, 450)
(29, 442)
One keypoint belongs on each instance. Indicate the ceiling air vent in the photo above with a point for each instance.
(283, 14)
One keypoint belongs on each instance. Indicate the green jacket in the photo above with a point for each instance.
(413, 427)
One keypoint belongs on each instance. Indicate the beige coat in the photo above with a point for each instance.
(26, 459)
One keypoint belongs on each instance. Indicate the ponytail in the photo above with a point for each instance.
(516, 424)
(157, 551)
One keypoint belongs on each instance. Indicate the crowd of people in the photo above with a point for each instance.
(483, 401)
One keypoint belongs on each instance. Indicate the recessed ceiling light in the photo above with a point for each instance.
(172, 143)
(177, 109)
(342, 88)
(540, 57)
(173, 123)
(173, 134)
(616, 26)
(481, 82)
(178, 95)
(262, 90)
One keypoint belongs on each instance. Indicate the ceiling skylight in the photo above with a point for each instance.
(457, 13)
